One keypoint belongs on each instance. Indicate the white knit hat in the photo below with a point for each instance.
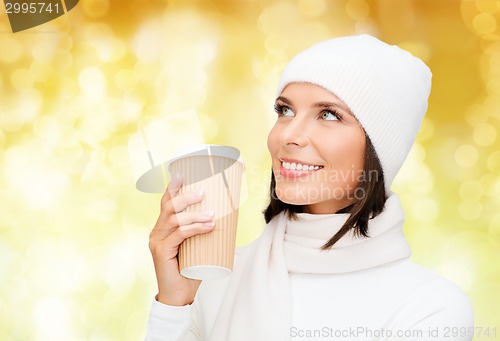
(385, 87)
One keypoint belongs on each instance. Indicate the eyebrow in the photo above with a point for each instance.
(321, 104)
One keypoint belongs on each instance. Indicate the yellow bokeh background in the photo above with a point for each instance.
(74, 258)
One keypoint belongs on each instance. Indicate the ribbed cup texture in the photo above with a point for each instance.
(220, 178)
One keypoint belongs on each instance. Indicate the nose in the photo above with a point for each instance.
(294, 133)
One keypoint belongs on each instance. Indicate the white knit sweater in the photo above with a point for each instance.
(363, 289)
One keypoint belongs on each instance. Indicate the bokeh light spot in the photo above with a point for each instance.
(268, 24)
(485, 134)
(488, 6)
(102, 211)
(48, 129)
(22, 79)
(493, 86)
(12, 49)
(276, 44)
(357, 9)
(368, 26)
(466, 156)
(492, 186)
(493, 50)
(94, 313)
(39, 184)
(470, 210)
(41, 71)
(92, 83)
(102, 38)
(125, 79)
(494, 227)
(425, 209)
(460, 270)
(2, 138)
(471, 191)
(95, 8)
(63, 61)
(494, 162)
(426, 130)
(148, 42)
(475, 115)
(52, 318)
(5, 319)
(28, 108)
(120, 270)
(132, 108)
(421, 182)
(484, 23)
(492, 106)
(312, 8)
(65, 42)
(418, 49)
(44, 50)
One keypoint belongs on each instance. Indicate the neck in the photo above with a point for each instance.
(329, 207)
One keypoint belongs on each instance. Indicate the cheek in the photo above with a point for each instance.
(346, 155)
(357, 159)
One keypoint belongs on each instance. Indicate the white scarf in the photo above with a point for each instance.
(257, 303)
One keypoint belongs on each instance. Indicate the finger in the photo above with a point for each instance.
(173, 188)
(188, 218)
(182, 219)
(187, 231)
(182, 201)
(168, 216)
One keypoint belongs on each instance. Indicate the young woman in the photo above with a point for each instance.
(332, 262)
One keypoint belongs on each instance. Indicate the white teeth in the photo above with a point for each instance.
(298, 166)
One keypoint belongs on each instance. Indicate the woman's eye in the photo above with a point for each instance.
(287, 112)
(328, 116)
(283, 111)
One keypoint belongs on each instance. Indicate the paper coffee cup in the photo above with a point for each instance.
(217, 170)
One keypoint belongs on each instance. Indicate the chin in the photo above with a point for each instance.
(293, 196)
(294, 201)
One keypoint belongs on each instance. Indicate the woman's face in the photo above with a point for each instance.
(317, 148)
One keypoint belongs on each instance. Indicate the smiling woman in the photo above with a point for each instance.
(333, 260)
(311, 131)
(347, 176)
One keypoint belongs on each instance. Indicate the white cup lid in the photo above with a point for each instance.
(206, 150)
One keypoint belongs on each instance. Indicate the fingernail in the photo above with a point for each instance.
(209, 224)
(209, 213)
(200, 193)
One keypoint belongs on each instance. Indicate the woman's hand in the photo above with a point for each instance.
(171, 229)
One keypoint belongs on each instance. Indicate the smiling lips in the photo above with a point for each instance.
(294, 169)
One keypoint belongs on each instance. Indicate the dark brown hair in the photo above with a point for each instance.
(369, 206)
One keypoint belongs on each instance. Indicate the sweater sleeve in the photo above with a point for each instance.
(191, 322)
(171, 323)
(438, 311)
